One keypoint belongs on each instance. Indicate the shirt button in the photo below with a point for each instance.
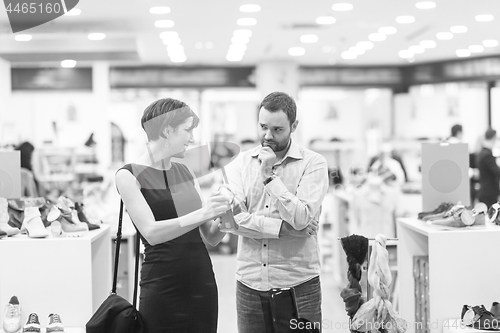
(265, 245)
(264, 265)
(267, 206)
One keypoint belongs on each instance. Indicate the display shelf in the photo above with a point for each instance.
(66, 330)
(67, 276)
(461, 264)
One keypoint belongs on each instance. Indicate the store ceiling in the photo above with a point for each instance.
(205, 29)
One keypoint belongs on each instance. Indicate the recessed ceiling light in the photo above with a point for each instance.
(23, 38)
(459, 29)
(387, 30)
(405, 54)
(476, 48)
(234, 57)
(246, 21)
(428, 44)
(342, 7)
(416, 49)
(405, 19)
(240, 40)
(242, 33)
(309, 38)
(484, 18)
(169, 34)
(159, 10)
(68, 63)
(490, 43)
(365, 45)
(250, 8)
(74, 12)
(164, 24)
(296, 51)
(425, 5)
(326, 20)
(172, 41)
(96, 36)
(377, 37)
(462, 53)
(444, 35)
(348, 55)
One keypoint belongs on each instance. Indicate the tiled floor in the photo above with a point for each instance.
(334, 315)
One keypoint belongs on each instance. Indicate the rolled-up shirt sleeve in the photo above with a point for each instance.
(300, 209)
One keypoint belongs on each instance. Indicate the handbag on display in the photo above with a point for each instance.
(116, 314)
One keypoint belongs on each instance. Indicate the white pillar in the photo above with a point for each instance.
(5, 91)
(102, 135)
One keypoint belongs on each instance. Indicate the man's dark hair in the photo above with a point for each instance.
(490, 134)
(455, 129)
(277, 101)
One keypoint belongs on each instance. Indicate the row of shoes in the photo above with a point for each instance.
(12, 320)
(456, 215)
(40, 218)
(479, 318)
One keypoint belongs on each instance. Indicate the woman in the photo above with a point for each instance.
(178, 289)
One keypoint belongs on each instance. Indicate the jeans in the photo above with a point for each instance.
(254, 310)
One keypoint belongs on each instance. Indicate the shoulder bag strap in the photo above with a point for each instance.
(117, 251)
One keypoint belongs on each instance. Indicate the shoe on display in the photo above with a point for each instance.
(32, 324)
(12, 319)
(495, 310)
(55, 324)
(4, 219)
(479, 318)
(83, 218)
(16, 212)
(33, 224)
(493, 215)
(68, 226)
(3, 234)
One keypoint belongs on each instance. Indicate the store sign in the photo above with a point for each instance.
(356, 76)
(149, 77)
(51, 78)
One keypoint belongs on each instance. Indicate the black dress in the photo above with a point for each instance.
(178, 290)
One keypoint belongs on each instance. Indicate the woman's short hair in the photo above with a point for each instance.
(165, 112)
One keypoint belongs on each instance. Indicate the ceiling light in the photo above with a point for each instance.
(462, 53)
(175, 48)
(348, 55)
(405, 54)
(490, 43)
(342, 7)
(428, 44)
(365, 45)
(168, 34)
(416, 49)
(68, 63)
(242, 33)
(405, 19)
(459, 29)
(238, 47)
(234, 57)
(387, 30)
(23, 38)
(240, 40)
(484, 18)
(309, 38)
(249, 8)
(74, 12)
(357, 50)
(159, 10)
(96, 36)
(326, 20)
(246, 21)
(164, 24)
(296, 51)
(425, 5)
(476, 48)
(172, 41)
(444, 35)
(377, 37)
(178, 59)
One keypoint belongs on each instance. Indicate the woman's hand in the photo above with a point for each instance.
(217, 204)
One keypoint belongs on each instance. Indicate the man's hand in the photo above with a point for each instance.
(267, 158)
(288, 230)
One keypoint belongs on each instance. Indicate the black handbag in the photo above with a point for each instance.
(116, 314)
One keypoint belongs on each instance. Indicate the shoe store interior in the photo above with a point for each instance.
(400, 98)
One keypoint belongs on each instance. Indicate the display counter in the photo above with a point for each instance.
(67, 276)
(463, 268)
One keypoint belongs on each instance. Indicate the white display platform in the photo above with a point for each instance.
(67, 276)
(463, 268)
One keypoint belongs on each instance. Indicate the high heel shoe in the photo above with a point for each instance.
(4, 219)
(69, 227)
(32, 223)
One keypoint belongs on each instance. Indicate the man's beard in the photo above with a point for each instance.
(276, 146)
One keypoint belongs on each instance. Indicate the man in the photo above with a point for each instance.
(489, 172)
(279, 187)
(457, 134)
